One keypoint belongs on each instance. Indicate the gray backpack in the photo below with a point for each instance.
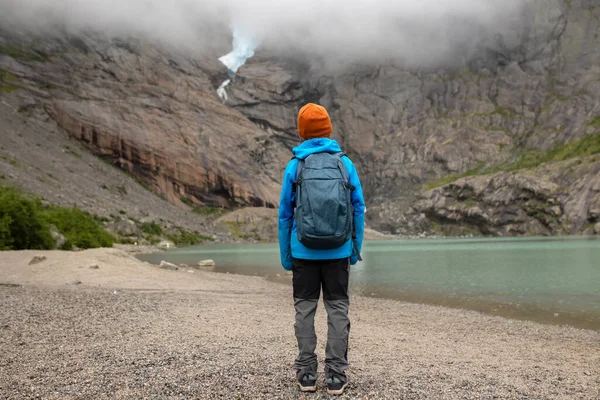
(324, 213)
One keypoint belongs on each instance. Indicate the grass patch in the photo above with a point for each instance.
(23, 55)
(595, 123)
(210, 211)
(213, 212)
(6, 76)
(451, 178)
(73, 152)
(587, 146)
(11, 161)
(236, 229)
(185, 238)
(528, 158)
(503, 112)
(46, 86)
(8, 88)
(25, 224)
(6, 82)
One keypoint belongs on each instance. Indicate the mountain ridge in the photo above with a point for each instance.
(506, 115)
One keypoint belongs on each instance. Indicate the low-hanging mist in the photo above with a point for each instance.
(413, 32)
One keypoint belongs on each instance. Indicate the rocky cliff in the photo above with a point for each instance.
(505, 144)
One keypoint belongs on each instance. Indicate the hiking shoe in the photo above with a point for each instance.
(308, 383)
(336, 383)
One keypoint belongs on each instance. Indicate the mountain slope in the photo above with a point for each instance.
(432, 146)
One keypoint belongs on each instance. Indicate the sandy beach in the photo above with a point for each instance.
(101, 324)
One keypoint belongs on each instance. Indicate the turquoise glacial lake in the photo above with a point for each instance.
(550, 280)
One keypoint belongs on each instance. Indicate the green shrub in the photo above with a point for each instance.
(185, 238)
(22, 224)
(25, 224)
(79, 227)
(151, 228)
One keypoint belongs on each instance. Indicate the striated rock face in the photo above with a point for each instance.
(558, 198)
(521, 98)
(514, 122)
(154, 114)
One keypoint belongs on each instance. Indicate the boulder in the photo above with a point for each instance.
(59, 238)
(125, 228)
(206, 263)
(168, 265)
(597, 228)
(165, 245)
(37, 260)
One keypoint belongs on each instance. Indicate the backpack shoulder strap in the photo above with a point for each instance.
(299, 169)
(344, 169)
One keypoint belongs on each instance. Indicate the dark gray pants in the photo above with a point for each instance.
(308, 279)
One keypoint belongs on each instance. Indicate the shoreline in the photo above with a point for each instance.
(522, 311)
(129, 329)
(527, 313)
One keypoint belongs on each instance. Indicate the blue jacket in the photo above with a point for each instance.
(289, 245)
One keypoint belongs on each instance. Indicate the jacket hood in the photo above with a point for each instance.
(319, 145)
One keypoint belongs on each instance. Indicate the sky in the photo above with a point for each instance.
(414, 32)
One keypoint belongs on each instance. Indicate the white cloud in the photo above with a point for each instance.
(419, 32)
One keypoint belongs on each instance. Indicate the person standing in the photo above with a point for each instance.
(320, 230)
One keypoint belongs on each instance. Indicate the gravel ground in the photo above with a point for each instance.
(131, 330)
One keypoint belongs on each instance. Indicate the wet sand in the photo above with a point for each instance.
(131, 330)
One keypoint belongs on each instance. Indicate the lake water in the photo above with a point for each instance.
(549, 280)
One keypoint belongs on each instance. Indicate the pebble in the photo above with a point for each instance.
(37, 259)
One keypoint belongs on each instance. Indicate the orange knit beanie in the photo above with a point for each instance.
(313, 122)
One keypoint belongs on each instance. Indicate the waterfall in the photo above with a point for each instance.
(243, 48)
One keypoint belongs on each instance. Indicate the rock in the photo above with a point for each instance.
(165, 245)
(206, 263)
(95, 266)
(597, 228)
(37, 260)
(255, 223)
(589, 231)
(168, 265)
(371, 234)
(75, 282)
(59, 238)
(124, 227)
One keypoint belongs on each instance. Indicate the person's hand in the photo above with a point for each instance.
(287, 266)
